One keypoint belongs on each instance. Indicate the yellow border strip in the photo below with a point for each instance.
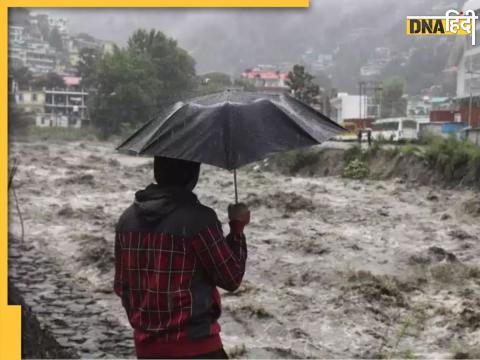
(163, 3)
(10, 316)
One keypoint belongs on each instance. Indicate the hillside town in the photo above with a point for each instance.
(43, 46)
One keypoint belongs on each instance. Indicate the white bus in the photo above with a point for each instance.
(395, 129)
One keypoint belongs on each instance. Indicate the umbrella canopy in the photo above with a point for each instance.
(232, 129)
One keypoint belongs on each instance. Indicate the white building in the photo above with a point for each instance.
(468, 75)
(347, 106)
(55, 120)
(15, 34)
(30, 100)
(324, 61)
(108, 47)
(55, 107)
(60, 23)
(36, 55)
(40, 57)
(370, 70)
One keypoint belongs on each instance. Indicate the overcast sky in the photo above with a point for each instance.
(211, 34)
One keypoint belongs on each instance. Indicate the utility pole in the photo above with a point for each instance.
(470, 101)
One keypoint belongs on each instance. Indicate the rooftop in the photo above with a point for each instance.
(265, 75)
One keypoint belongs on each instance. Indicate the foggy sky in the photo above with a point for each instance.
(229, 39)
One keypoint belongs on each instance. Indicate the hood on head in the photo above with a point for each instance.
(155, 202)
(170, 172)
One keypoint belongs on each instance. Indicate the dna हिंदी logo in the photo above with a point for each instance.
(453, 23)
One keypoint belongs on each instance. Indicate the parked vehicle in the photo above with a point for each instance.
(395, 129)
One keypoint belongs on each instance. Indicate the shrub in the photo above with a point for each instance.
(356, 169)
(409, 149)
(474, 165)
(294, 161)
(353, 153)
(454, 158)
(392, 152)
(372, 150)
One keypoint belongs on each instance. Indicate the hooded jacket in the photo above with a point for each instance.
(170, 255)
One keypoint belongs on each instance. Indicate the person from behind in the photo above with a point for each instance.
(170, 257)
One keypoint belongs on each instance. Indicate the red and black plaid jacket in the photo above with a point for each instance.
(167, 268)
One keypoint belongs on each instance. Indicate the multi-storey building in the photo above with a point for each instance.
(66, 107)
(36, 55)
(468, 74)
(32, 101)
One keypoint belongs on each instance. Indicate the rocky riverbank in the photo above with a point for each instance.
(37, 342)
(69, 320)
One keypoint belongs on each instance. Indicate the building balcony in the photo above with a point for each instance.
(63, 105)
(66, 92)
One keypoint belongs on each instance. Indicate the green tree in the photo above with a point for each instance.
(393, 103)
(135, 82)
(43, 25)
(50, 80)
(213, 82)
(55, 39)
(86, 65)
(217, 78)
(247, 86)
(173, 67)
(22, 76)
(125, 91)
(303, 86)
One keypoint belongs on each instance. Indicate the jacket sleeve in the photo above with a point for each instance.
(223, 258)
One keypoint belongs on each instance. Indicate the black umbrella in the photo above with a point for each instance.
(232, 129)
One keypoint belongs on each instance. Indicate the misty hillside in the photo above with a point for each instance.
(348, 31)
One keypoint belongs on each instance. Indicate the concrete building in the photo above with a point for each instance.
(323, 62)
(40, 58)
(60, 23)
(73, 52)
(16, 34)
(64, 108)
(55, 107)
(347, 106)
(419, 106)
(71, 103)
(468, 74)
(56, 120)
(30, 100)
(108, 47)
(371, 70)
(36, 55)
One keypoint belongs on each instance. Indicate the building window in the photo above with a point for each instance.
(20, 97)
(34, 97)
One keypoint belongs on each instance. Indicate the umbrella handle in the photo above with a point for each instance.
(235, 185)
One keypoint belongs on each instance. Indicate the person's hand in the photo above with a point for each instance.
(239, 212)
(239, 216)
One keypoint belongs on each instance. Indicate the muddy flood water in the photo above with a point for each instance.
(336, 269)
